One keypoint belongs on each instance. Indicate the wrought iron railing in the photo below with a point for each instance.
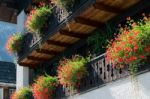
(56, 21)
(100, 72)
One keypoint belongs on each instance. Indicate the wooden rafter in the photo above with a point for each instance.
(88, 22)
(28, 64)
(48, 52)
(73, 34)
(37, 59)
(57, 43)
(108, 8)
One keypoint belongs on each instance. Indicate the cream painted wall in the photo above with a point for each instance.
(121, 89)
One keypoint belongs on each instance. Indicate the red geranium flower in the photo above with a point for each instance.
(44, 87)
(132, 45)
(71, 71)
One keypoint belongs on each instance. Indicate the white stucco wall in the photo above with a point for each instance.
(21, 22)
(1, 93)
(22, 75)
(120, 90)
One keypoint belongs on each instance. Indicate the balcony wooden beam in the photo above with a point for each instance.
(88, 22)
(40, 59)
(73, 34)
(108, 8)
(48, 52)
(57, 43)
(29, 65)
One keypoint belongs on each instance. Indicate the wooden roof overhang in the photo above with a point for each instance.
(81, 24)
(8, 11)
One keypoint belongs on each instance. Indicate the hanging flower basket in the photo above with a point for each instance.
(14, 43)
(40, 3)
(44, 87)
(37, 19)
(71, 71)
(131, 46)
(24, 93)
(68, 4)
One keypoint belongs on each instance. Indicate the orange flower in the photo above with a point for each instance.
(43, 87)
(14, 42)
(136, 47)
(128, 18)
(71, 71)
(23, 93)
(142, 56)
(37, 18)
(120, 60)
(131, 45)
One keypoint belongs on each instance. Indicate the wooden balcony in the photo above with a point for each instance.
(100, 72)
(65, 29)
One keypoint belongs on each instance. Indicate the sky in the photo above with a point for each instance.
(6, 29)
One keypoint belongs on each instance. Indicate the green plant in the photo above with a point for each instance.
(131, 46)
(71, 71)
(68, 4)
(44, 87)
(37, 18)
(99, 40)
(14, 43)
(23, 93)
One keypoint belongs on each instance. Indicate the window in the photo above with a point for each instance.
(11, 91)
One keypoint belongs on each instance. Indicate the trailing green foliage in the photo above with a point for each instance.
(71, 71)
(68, 4)
(14, 43)
(131, 46)
(37, 18)
(23, 93)
(44, 87)
(99, 40)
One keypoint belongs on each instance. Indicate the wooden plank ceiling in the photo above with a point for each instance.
(93, 17)
(7, 12)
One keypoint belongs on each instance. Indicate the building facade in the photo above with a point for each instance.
(66, 34)
(7, 79)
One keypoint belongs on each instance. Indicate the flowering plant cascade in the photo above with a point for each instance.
(71, 71)
(23, 93)
(131, 46)
(44, 87)
(68, 4)
(14, 42)
(37, 18)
